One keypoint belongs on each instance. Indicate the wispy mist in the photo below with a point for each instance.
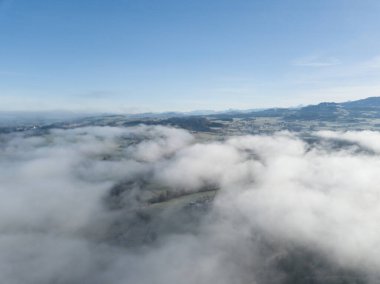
(108, 205)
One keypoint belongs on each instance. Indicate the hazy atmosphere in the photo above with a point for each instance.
(189, 142)
(278, 196)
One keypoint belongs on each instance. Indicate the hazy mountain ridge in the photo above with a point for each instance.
(359, 115)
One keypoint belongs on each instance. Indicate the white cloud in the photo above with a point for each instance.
(278, 195)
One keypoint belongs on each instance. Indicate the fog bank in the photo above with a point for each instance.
(156, 205)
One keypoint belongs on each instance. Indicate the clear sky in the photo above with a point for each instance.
(161, 55)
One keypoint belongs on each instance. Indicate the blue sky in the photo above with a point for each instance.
(160, 55)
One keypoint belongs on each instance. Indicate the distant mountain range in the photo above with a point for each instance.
(369, 107)
(371, 102)
(351, 112)
(328, 111)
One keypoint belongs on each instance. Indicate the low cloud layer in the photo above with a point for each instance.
(272, 207)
